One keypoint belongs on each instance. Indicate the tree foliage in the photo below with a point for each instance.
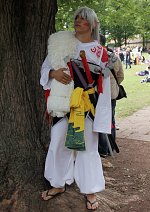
(144, 18)
(119, 19)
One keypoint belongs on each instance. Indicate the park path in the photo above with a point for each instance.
(136, 126)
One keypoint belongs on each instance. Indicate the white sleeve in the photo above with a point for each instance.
(102, 120)
(45, 69)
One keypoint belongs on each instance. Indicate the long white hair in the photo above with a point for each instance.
(89, 14)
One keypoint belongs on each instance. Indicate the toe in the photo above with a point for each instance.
(91, 202)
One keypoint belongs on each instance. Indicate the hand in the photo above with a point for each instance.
(61, 76)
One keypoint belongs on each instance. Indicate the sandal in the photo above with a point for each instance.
(91, 204)
(49, 194)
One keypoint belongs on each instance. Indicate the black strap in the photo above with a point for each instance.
(113, 72)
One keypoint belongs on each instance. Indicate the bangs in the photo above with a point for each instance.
(82, 13)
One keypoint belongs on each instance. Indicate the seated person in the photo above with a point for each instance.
(144, 73)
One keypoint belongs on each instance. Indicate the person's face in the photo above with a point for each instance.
(81, 25)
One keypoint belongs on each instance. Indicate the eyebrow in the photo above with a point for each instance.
(80, 16)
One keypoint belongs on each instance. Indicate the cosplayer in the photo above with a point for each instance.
(75, 72)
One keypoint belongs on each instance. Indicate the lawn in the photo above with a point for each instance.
(138, 94)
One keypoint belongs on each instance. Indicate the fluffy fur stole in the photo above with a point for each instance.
(60, 45)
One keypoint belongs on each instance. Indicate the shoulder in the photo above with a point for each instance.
(61, 35)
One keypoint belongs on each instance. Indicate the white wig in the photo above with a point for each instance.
(89, 14)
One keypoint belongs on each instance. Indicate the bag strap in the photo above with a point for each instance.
(113, 72)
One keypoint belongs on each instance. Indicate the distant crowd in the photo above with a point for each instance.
(132, 55)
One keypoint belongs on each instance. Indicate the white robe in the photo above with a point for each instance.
(62, 165)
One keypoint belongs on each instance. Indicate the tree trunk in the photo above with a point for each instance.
(143, 41)
(24, 29)
(125, 38)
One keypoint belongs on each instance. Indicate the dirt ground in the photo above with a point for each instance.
(128, 180)
(127, 176)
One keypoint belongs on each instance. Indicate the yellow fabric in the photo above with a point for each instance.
(79, 104)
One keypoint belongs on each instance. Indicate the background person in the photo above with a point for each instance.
(128, 58)
(114, 63)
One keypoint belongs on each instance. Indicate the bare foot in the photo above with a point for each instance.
(91, 202)
(49, 194)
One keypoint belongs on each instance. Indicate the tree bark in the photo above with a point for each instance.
(24, 29)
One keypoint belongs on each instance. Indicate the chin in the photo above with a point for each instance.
(78, 30)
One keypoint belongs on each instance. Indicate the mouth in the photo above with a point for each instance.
(77, 25)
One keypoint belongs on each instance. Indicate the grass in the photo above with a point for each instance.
(138, 94)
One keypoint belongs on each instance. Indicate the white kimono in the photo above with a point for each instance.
(63, 165)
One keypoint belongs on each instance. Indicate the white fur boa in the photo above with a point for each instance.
(60, 45)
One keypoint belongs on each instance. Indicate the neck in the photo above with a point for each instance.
(84, 38)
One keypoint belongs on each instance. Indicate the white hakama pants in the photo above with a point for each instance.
(64, 165)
